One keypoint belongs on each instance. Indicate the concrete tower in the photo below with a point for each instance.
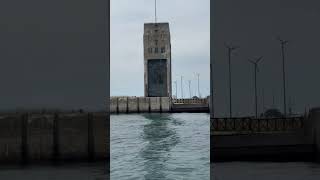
(157, 60)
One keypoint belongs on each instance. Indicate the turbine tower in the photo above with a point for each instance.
(256, 69)
(283, 43)
(230, 50)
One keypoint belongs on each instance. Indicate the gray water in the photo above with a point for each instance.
(265, 171)
(77, 171)
(160, 147)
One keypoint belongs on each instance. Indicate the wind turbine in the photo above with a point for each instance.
(256, 69)
(230, 48)
(283, 43)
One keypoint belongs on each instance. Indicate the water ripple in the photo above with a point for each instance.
(160, 146)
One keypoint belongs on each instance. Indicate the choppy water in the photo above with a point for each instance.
(265, 171)
(160, 146)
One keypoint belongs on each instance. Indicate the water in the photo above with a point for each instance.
(160, 146)
(77, 171)
(265, 171)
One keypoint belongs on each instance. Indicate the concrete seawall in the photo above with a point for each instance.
(129, 104)
(59, 137)
(301, 144)
(139, 104)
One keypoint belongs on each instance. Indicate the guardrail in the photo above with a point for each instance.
(252, 125)
(190, 101)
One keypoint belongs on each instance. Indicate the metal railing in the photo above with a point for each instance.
(252, 125)
(190, 101)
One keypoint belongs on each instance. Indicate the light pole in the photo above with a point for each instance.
(175, 82)
(190, 88)
(230, 49)
(155, 11)
(255, 63)
(199, 85)
(181, 87)
(283, 43)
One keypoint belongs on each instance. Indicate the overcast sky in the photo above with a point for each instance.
(53, 54)
(254, 25)
(189, 22)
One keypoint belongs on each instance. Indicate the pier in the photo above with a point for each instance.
(34, 137)
(266, 139)
(132, 104)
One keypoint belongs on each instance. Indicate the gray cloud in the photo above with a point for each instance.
(190, 38)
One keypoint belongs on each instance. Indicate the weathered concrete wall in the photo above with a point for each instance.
(313, 129)
(132, 104)
(40, 137)
(10, 139)
(73, 136)
(143, 104)
(157, 46)
(139, 104)
(301, 144)
(43, 137)
(113, 104)
(155, 104)
(122, 104)
(165, 104)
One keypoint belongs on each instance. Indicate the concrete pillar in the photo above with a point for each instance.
(312, 127)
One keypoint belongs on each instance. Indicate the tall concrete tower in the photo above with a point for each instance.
(157, 60)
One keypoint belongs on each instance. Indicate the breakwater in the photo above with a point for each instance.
(139, 104)
(275, 139)
(53, 137)
(132, 104)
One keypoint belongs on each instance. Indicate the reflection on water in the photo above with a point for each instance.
(160, 139)
(160, 146)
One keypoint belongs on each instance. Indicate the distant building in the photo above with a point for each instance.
(157, 60)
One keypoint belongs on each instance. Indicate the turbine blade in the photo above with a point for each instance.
(251, 61)
(259, 59)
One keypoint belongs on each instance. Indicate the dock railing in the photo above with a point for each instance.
(190, 101)
(246, 125)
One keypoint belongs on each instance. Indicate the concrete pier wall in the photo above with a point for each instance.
(299, 144)
(44, 137)
(139, 104)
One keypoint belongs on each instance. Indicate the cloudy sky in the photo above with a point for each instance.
(254, 26)
(53, 54)
(190, 39)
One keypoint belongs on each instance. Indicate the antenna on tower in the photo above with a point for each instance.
(155, 11)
